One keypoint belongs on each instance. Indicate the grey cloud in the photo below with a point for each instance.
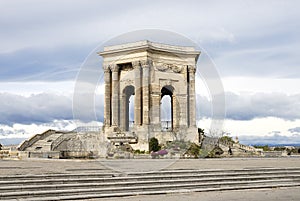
(279, 61)
(5, 132)
(43, 108)
(38, 108)
(46, 107)
(266, 36)
(41, 64)
(294, 130)
(248, 106)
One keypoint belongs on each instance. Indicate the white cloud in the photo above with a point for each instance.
(268, 130)
(241, 84)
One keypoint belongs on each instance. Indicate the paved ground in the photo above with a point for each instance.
(48, 166)
(288, 194)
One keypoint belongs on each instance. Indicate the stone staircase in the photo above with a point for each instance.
(81, 186)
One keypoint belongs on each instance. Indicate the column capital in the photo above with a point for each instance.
(106, 68)
(135, 64)
(114, 67)
(191, 68)
(146, 63)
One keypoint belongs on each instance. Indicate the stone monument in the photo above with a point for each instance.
(149, 71)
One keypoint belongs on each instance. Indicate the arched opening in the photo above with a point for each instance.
(131, 111)
(128, 104)
(166, 109)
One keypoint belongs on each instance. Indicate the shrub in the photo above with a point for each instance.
(153, 145)
(194, 150)
(137, 151)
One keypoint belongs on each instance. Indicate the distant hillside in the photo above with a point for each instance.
(277, 145)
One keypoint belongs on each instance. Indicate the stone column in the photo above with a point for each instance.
(138, 93)
(115, 95)
(146, 96)
(107, 96)
(192, 96)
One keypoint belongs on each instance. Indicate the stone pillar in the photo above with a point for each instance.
(146, 96)
(123, 112)
(107, 96)
(192, 96)
(138, 94)
(155, 107)
(182, 99)
(115, 95)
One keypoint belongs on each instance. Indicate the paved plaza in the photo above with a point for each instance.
(48, 166)
(53, 166)
(288, 194)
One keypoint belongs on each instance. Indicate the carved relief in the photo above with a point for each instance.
(165, 67)
(162, 68)
(177, 69)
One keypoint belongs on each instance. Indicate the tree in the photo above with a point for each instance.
(153, 144)
(0, 146)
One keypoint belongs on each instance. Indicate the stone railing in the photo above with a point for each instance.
(34, 139)
(85, 129)
(246, 147)
(60, 139)
(226, 143)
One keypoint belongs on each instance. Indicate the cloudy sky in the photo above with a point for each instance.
(254, 45)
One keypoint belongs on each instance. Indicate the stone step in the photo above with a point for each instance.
(129, 182)
(108, 177)
(137, 188)
(156, 192)
(213, 172)
(114, 184)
